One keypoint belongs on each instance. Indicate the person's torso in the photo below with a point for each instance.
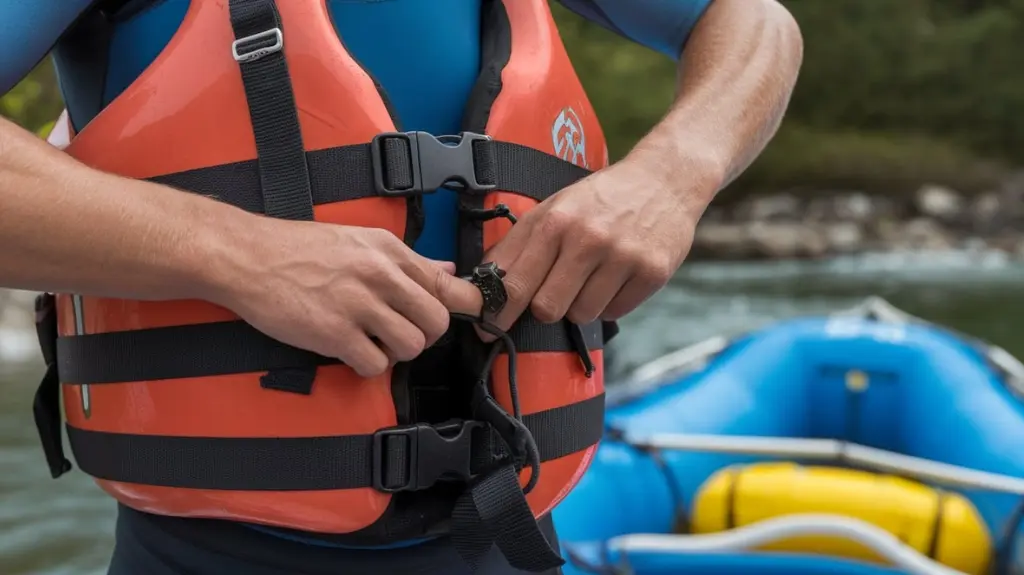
(142, 109)
(425, 54)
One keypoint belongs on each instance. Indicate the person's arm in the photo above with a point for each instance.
(736, 77)
(738, 62)
(602, 246)
(358, 294)
(28, 30)
(68, 228)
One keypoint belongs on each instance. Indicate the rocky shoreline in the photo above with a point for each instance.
(832, 223)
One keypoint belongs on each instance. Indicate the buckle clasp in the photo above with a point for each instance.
(433, 161)
(444, 451)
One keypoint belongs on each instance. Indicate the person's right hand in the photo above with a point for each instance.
(358, 294)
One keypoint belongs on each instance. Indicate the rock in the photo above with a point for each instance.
(778, 240)
(925, 234)
(847, 206)
(715, 240)
(769, 208)
(844, 237)
(938, 202)
(857, 207)
(985, 211)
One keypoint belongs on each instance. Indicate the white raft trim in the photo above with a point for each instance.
(761, 533)
(834, 450)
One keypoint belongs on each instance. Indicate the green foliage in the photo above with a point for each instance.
(892, 93)
(35, 102)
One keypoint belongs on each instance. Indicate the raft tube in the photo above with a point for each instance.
(853, 382)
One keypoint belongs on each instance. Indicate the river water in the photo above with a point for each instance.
(64, 527)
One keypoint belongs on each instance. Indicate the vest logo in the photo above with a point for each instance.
(568, 138)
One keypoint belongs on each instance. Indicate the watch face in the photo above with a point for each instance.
(488, 278)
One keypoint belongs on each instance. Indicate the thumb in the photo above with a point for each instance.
(457, 294)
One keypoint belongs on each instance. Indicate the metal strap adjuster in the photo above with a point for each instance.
(252, 48)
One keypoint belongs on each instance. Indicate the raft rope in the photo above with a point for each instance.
(772, 530)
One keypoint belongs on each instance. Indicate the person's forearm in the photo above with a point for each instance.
(736, 77)
(66, 227)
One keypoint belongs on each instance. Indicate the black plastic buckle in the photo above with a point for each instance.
(433, 452)
(435, 161)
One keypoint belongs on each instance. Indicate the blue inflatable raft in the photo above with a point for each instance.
(864, 443)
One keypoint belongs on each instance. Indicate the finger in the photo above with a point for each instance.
(601, 288)
(633, 293)
(505, 252)
(568, 275)
(648, 275)
(363, 355)
(448, 267)
(524, 277)
(400, 339)
(455, 294)
(458, 295)
(417, 305)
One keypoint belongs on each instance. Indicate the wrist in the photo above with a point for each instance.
(692, 174)
(226, 257)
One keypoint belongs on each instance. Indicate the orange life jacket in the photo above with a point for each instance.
(180, 408)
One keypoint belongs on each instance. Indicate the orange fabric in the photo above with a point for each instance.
(187, 111)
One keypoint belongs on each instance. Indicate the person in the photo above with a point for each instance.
(96, 220)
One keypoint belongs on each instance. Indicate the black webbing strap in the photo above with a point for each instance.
(356, 172)
(199, 350)
(223, 348)
(281, 157)
(259, 50)
(396, 459)
(46, 406)
(522, 170)
(494, 511)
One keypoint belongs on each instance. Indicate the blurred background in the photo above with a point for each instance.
(897, 172)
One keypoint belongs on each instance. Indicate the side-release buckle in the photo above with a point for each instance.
(256, 46)
(415, 457)
(413, 163)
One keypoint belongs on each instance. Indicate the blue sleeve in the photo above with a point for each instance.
(28, 30)
(662, 25)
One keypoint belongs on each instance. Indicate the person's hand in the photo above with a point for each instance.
(358, 294)
(596, 249)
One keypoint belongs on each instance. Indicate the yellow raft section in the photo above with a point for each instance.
(942, 525)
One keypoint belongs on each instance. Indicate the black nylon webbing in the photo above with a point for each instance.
(223, 348)
(494, 511)
(302, 463)
(281, 156)
(336, 175)
(175, 352)
(284, 179)
(523, 170)
(346, 173)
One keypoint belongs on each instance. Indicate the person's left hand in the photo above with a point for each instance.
(596, 249)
